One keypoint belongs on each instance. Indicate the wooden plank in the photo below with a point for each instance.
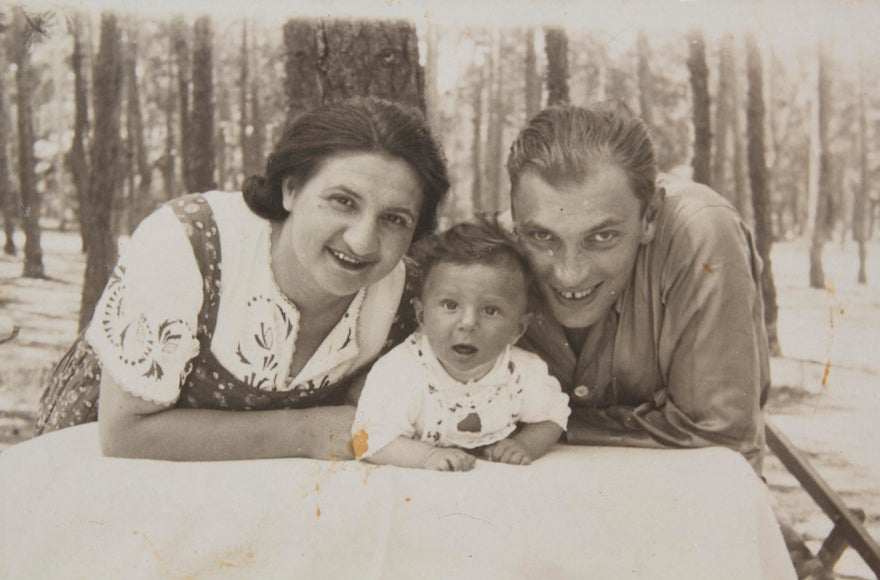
(824, 496)
(835, 544)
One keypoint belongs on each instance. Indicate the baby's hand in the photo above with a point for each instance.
(449, 459)
(508, 451)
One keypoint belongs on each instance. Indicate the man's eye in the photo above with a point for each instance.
(491, 310)
(448, 305)
(540, 235)
(604, 236)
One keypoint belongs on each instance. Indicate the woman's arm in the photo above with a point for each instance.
(132, 427)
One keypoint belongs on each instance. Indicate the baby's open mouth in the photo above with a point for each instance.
(464, 349)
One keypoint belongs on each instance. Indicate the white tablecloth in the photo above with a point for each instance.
(579, 512)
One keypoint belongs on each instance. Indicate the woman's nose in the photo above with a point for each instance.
(362, 236)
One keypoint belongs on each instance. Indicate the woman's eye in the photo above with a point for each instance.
(491, 310)
(604, 236)
(398, 220)
(450, 305)
(343, 200)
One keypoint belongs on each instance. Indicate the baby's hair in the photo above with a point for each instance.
(481, 241)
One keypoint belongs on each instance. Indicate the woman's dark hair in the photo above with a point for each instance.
(355, 125)
(480, 241)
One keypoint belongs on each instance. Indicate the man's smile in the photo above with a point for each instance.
(575, 295)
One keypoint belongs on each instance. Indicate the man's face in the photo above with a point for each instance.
(581, 240)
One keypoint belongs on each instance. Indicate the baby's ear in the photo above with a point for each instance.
(524, 321)
(420, 312)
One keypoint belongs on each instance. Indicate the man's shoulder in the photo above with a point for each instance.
(695, 212)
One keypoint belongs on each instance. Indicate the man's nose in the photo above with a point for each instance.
(570, 268)
(362, 236)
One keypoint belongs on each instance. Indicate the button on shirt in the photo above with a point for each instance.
(682, 358)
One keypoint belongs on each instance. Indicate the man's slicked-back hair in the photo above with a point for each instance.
(570, 144)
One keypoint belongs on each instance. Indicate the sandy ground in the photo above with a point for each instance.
(832, 418)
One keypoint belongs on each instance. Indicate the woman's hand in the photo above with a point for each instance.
(508, 451)
(332, 433)
(132, 427)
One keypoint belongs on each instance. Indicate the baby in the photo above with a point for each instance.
(458, 383)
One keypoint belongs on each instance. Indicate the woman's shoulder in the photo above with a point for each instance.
(232, 213)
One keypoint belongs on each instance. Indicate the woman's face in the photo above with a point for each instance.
(349, 225)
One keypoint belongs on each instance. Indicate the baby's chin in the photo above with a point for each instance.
(463, 373)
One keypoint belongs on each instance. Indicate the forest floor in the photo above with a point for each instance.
(832, 417)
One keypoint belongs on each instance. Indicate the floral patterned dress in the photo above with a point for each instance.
(171, 331)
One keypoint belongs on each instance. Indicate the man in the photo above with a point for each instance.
(652, 317)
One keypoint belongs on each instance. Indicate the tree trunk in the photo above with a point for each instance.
(760, 195)
(202, 113)
(556, 47)
(258, 136)
(477, 142)
(182, 57)
(302, 65)
(645, 78)
(533, 81)
(166, 163)
(247, 127)
(141, 202)
(372, 58)
(432, 74)
(821, 225)
(699, 75)
(7, 202)
(328, 61)
(723, 118)
(76, 159)
(105, 180)
(740, 190)
(25, 29)
(495, 130)
(860, 202)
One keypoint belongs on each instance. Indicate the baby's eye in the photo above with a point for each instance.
(450, 305)
(491, 310)
(604, 236)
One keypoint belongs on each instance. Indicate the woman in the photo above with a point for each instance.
(279, 299)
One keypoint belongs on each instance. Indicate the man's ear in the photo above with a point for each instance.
(524, 321)
(420, 311)
(652, 213)
(288, 190)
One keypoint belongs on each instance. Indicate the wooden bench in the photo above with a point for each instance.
(849, 529)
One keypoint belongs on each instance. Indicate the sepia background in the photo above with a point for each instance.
(108, 109)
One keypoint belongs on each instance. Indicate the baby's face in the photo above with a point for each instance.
(471, 313)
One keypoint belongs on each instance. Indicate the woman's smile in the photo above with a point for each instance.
(349, 226)
(348, 261)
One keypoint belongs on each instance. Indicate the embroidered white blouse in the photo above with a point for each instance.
(144, 327)
(408, 393)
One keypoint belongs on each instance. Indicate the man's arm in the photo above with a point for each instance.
(712, 350)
